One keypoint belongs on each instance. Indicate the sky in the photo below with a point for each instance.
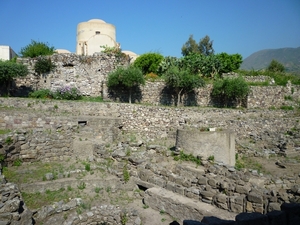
(163, 26)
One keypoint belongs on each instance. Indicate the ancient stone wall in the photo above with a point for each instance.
(89, 75)
(226, 188)
(268, 127)
(51, 138)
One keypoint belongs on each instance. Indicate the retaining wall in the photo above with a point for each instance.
(89, 75)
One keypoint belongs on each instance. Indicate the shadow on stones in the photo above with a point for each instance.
(121, 94)
(174, 223)
(223, 102)
(168, 97)
(10, 89)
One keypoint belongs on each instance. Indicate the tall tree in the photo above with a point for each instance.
(190, 46)
(206, 46)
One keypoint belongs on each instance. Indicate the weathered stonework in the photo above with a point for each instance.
(89, 75)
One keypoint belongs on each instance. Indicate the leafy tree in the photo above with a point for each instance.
(230, 89)
(207, 66)
(205, 46)
(10, 70)
(228, 62)
(190, 46)
(126, 77)
(36, 48)
(43, 65)
(183, 81)
(275, 66)
(148, 62)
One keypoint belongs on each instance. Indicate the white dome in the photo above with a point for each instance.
(97, 20)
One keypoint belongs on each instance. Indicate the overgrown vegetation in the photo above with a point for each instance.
(36, 48)
(113, 50)
(43, 65)
(61, 93)
(230, 89)
(182, 81)
(10, 70)
(148, 62)
(186, 157)
(280, 78)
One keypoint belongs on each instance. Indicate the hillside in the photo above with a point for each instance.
(289, 57)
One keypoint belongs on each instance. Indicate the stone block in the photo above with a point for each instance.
(243, 189)
(255, 197)
(213, 183)
(202, 180)
(145, 175)
(192, 193)
(181, 207)
(273, 206)
(219, 144)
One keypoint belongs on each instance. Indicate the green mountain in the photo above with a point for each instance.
(288, 57)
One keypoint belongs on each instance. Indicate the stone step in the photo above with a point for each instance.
(182, 208)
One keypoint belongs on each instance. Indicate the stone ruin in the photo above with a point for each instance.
(44, 133)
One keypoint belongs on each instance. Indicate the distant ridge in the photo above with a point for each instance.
(289, 57)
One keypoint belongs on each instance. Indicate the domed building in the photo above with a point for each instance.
(93, 34)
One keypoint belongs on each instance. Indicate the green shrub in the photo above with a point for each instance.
(148, 62)
(10, 70)
(287, 107)
(36, 48)
(126, 174)
(43, 65)
(2, 157)
(126, 77)
(8, 140)
(230, 89)
(42, 93)
(275, 66)
(81, 185)
(228, 62)
(288, 98)
(17, 162)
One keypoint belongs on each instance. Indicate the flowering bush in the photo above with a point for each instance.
(67, 93)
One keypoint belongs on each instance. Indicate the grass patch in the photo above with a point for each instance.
(5, 131)
(249, 163)
(37, 200)
(31, 173)
(260, 84)
(185, 157)
(287, 107)
(91, 99)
